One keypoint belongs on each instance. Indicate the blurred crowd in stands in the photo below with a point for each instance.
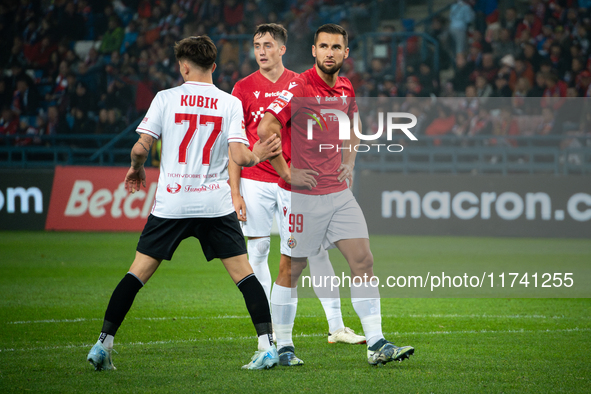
(93, 66)
(518, 73)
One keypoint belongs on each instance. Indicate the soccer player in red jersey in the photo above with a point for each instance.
(323, 210)
(255, 190)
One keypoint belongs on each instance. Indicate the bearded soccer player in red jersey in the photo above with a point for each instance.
(200, 124)
(255, 190)
(325, 211)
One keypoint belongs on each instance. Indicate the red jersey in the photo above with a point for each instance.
(307, 155)
(256, 93)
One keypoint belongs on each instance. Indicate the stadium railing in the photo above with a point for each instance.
(480, 155)
(441, 154)
(69, 149)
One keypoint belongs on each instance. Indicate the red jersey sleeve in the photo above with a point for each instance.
(237, 90)
(353, 105)
(281, 106)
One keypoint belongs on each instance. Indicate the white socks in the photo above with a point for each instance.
(366, 302)
(284, 310)
(265, 341)
(108, 341)
(320, 268)
(258, 254)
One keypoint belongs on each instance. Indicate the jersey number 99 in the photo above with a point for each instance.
(296, 223)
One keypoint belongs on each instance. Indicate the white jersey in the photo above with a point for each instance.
(195, 121)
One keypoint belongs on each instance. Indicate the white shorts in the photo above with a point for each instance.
(260, 199)
(311, 222)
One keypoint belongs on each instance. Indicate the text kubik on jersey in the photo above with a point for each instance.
(196, 122)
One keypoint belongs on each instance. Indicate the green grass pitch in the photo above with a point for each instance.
(188, 330)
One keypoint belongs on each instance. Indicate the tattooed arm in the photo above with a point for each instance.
(140, 150)
(136, 176)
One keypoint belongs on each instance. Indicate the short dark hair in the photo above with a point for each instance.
(200, 51)
(277, 31)
(332, 28)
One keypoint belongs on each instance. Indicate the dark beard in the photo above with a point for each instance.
(332, 71)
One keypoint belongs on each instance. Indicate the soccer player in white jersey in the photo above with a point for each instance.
(255, 189)
(328, 213)
(199, 124)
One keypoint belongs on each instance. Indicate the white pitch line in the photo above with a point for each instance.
(414, 316)
(77, 320)
(396, 333)
(81, 319)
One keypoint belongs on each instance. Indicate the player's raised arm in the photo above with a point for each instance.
(261, 151)
(269, 127)
(136, 176)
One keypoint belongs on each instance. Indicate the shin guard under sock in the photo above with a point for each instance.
(121, 300)
(257, 305)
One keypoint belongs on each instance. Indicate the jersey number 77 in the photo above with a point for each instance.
(195, 120)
